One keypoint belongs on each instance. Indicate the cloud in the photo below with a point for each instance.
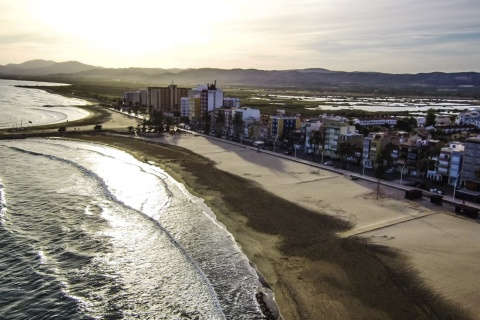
(335, 34)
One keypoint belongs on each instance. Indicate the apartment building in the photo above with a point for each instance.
(135, 98)
(471, 162)
(166, 99)
(281, 125)
(333, 132)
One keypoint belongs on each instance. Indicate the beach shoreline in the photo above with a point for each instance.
(314, 272)
(288, 220)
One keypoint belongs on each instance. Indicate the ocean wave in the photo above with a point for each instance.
(72, 256)
(3, 202)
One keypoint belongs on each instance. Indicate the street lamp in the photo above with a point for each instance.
(295, 147)
(455, 185)
(401, 172)
(365, 160)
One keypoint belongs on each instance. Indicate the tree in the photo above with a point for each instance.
(345, 149)
(430, 117)
(156, 120)
(315, 139)
(168, 123)
(207, 120)
(425, 155)
(220, 121)
(386, 155)
(143, 123)
(406, 124)
(136, 108)
(237, 123)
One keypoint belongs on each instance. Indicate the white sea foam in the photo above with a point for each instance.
(154, 227)
(43, 258)
(3, 201)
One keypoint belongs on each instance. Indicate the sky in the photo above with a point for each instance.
(393, 36)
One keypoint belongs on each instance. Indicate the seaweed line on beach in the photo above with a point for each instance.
(306, 263)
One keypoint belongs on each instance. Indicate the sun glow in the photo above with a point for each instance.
(371, 35)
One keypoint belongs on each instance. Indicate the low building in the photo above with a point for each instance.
(392, 122)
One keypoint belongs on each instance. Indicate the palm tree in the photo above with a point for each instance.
(156, 119)
(207, 121)
(315, 139)
(237, 123)
(220, 121)
(168, 123)
(345, 149)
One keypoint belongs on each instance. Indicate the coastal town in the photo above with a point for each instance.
(312, 214)
(244, 160)
(440, 149)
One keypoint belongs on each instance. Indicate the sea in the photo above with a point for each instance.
(89, 232)
(23, 107)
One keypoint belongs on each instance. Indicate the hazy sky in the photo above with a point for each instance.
(396, 36)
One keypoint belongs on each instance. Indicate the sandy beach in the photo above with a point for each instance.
(326, 245)
(328, 248)
(432, 242)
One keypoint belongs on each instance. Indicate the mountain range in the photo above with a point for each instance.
(311, 78)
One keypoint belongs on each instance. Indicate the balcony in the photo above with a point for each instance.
(443, 163)
(443, 171)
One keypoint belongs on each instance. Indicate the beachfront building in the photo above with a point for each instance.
(280, 126)
(136, 98)
(306, 129)
(373, 146)
(366, 146)
(397, 139)
(202, 101)
(194, 110)
(449, 163)
(166, 99)
(333, 131)
(211, 98)
(184, 107)
(471, 162)
(248, 117)
(228, 116)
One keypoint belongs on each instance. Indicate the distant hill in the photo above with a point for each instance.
(31, 64)
(465, 83)
(44, 68)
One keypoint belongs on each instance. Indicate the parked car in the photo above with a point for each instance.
(288, 152)
(390, 171)
(328, 163)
